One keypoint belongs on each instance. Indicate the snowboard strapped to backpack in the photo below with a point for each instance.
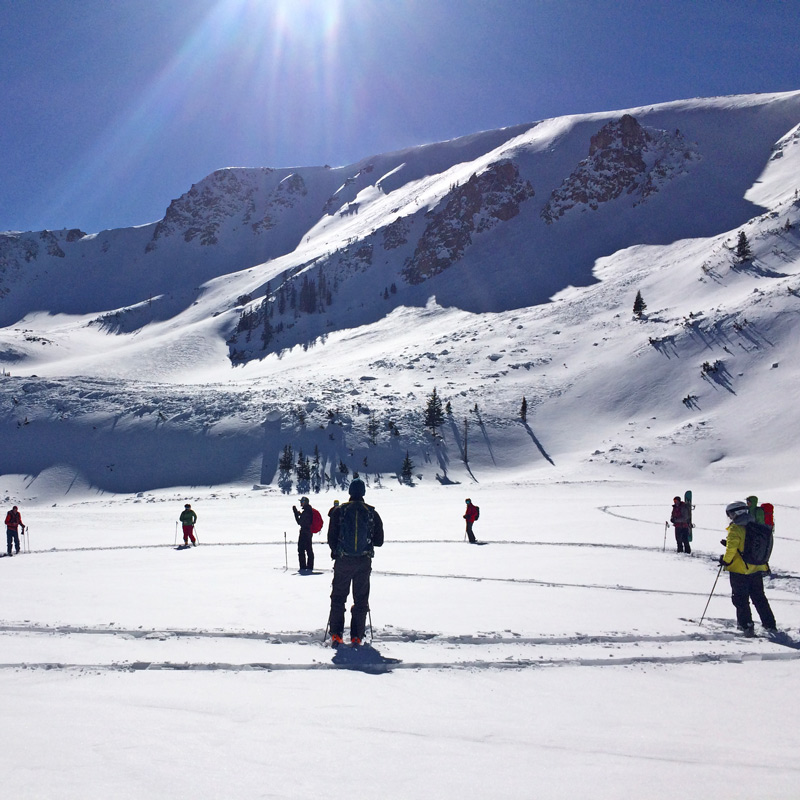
(758, 541)
(356, 528)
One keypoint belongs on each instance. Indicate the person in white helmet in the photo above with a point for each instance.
(747, 580)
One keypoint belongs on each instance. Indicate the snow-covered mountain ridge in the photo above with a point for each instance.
(293, 306)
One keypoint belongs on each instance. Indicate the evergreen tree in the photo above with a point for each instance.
(316, 476)
(639, 306)
(434, 415)
(303, 471)
(373, 428)
(743, 251)
(286, 461)
(408, 468)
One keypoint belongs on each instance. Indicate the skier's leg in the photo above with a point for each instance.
(470, 534)
(760, 600)
(740, 597)
(302, 548)
(361, 578)
(340, 588)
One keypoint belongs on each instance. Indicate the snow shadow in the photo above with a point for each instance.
(365, 658)
(538, 443)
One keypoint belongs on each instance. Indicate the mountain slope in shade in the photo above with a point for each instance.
(309, 306)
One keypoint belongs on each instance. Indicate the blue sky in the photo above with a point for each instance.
(110, 109)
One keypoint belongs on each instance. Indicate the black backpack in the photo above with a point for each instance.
(356, 528)
(758, 542)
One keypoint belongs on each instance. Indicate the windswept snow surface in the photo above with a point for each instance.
(565, 655)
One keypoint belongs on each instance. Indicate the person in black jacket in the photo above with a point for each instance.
(354, 530)
(305, 551)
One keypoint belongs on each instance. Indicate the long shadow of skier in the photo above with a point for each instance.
(538, 443)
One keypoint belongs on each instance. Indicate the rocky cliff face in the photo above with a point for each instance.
(624, 158)
(228, 195)
(484, 201)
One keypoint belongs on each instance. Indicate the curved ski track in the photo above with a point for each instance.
(432, 651)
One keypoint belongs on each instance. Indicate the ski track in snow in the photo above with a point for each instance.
(415, 650)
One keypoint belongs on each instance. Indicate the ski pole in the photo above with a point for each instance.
(666, 528)
(719, 572)
(196, 534)
(327, 625)
(285, 553)
(369, 614)
(175, 543)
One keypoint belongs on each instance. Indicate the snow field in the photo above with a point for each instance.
(138, 671)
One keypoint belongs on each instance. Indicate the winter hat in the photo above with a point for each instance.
(303, 500)
(468, 501)
(676, 499)
(357, 488)
(187, 506)
(736, 508)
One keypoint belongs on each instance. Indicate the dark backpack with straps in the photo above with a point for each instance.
(356, 528)
(758, 541)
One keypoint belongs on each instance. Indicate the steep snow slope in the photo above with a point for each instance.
(584, 210)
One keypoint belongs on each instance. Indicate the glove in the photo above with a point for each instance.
(723, 542)
(722, 561)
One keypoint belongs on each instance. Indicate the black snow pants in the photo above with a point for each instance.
(347, 570)
(745, 588)
(305, 551)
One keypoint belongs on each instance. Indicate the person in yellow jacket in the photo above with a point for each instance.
(747, 580)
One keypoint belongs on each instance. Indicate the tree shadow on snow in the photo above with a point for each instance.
(538, 443)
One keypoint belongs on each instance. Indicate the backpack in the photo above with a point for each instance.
(316, 521)
(477, 512)
(356, 527)
(769, 514)
(758, 542)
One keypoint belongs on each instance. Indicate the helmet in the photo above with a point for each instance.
(357, 488)
(736, 508)
(303, 500)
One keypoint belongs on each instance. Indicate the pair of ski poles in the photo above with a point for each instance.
(369, 617)
(194, 531)
(26, 542)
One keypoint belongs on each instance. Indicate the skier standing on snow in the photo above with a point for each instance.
(188, 519)
(471, 516)
(355, 529)
(747, 580)
(680, 519)
(13, 522)
(305, 550)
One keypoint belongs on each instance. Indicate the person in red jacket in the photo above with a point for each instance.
(471, 516)
(13, 523)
